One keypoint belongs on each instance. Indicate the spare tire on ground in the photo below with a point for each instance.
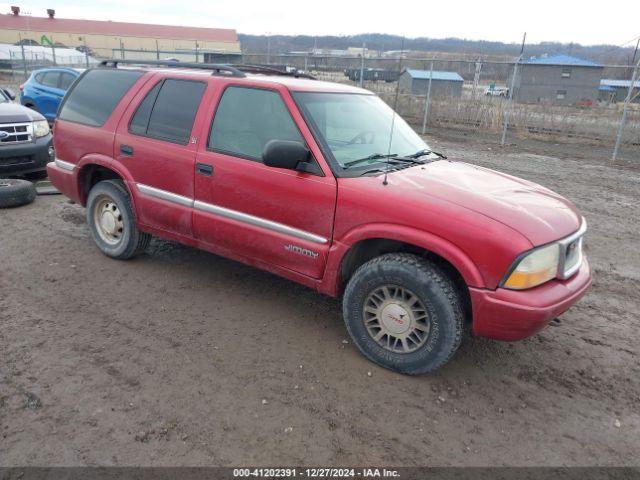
(14, 193)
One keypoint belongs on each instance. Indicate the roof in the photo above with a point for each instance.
(425, 74)
(123, 29)
(561, 60)
(606, 82)
(64, 56)
(251, 79)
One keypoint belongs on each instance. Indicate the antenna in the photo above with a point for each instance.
(393, 117)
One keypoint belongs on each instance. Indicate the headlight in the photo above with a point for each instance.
(537, 267)
(40, 128)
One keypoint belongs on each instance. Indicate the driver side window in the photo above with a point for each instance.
(247, 118)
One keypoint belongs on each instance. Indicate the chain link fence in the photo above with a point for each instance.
(464, 92)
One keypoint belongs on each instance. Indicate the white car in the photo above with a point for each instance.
(497, 92)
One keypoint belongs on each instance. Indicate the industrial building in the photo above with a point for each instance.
(443, 84)
(120, 39)
(557, 79)
(612, 91)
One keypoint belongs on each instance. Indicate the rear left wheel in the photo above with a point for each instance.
(112, 221)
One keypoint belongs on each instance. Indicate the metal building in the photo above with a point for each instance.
(443, 84)
(612, 91)
(121, 39)
(557, 79)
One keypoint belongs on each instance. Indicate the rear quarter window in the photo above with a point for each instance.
(92, 100)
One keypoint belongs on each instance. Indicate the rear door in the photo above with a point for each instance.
(155, 144)
(273, 215)
(49, 93)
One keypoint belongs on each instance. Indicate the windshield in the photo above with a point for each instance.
(358, 126)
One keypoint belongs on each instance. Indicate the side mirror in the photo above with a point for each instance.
(9, 93)
(285, 154)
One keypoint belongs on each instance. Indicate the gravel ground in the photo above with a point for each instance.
(181, 357)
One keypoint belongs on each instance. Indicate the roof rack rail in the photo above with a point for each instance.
(218, 69)
(272, 70)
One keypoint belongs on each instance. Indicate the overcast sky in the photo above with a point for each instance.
(584, 22)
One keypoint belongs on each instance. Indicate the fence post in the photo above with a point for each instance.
(361, 82)
(24, 59)
(625, 110)
(476, 78)
(427, 100)
(53, 51)
(86, 51)
(509, 101)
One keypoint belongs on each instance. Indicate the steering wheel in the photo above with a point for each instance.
(366, 136)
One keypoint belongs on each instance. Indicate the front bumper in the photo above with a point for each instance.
(505, 314)
(28, 157)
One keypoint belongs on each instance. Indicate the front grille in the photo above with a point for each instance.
(15, 133)
(16, 161)
(571, 252)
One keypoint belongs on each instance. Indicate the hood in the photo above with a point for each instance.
(536, 212)
(15, 113)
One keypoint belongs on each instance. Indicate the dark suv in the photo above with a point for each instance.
(25, 140)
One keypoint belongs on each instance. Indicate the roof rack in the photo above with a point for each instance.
(273, 71)
(218, 69)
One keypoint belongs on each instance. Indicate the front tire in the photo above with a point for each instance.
(112, 221)
(403, 313)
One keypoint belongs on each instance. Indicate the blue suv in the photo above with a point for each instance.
(44, 89)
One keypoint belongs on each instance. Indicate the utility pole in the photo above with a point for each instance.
(427, 100)
(361, 82)
(157, 51)
(625, 111)
(121, 49)
(512, 86)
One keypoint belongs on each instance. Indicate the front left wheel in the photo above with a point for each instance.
(112, 221)
(404, 313)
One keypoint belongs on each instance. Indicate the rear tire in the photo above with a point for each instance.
(403, 313)
(14, 192)
(112, 221)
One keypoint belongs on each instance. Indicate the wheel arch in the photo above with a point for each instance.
(95, 168)
(362, 247)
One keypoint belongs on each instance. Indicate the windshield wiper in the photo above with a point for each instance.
(424, 151)
(374, 156)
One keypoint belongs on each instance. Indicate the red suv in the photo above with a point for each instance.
(325, 185)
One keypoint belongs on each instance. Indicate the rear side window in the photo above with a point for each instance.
(94, 98)
(247, 118)
(50, 79)
(66, 79)
(168, 110)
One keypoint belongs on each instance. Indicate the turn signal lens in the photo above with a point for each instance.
(40, 128)
(539, 266)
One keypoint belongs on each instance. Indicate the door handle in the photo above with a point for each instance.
(126, 150)
(204, 169)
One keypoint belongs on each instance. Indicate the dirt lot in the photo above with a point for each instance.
(184, 358)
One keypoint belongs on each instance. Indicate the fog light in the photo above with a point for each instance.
(52, 152)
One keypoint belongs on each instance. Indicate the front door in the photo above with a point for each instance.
(154, 144)
(272, 215)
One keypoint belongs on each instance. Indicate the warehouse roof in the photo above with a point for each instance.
(425, 74)
(120, 29)
(618, 83)
(561, 60)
